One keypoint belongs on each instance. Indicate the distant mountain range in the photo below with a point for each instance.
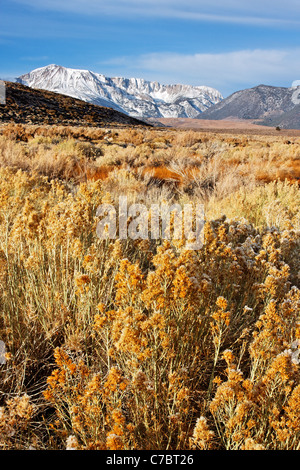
(146, 100)
(136, 97)
(267, 105)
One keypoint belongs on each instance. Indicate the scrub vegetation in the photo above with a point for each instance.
(145, 344)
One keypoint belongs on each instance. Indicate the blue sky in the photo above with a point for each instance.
(229, 45)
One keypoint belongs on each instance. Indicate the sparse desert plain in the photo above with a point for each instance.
(233, 125)
(136, 344)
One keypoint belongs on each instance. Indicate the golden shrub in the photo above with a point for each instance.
(144, 344)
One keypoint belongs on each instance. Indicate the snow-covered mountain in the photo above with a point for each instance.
(134, 96)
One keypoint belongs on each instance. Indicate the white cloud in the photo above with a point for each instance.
(224, 71)
(236, 11)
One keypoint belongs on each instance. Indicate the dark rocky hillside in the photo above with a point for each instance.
(30, 106)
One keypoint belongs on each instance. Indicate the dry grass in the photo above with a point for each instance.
(143, 344)
(186, 157)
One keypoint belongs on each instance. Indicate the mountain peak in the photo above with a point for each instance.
(136, 97)
(262, 102)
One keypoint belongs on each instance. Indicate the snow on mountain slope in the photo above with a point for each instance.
(134, 96)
